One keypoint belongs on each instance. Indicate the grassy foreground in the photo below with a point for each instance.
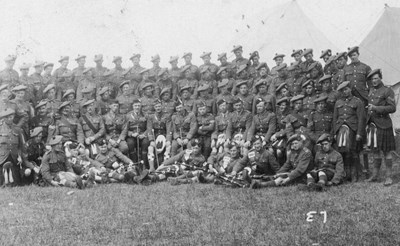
(196, 214)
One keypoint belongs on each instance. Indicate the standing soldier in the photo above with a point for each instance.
(308, 55)
(242, 74)
(24, 109)
(114, 124)
(66, 126)
(153, 72)
(174, 71)
(9, 76)
(309, 96)
(52, 103)
(90, 127)
(223, 74)
(225, 95)
(194, 70)
(381, 104)
(297, 55)
(77, 73)
(37, 78)
(87, 82)
(349, 127)
(57, 74)
(295, 79)
(64, 84)
(158, 127)
(42, 119)
(138, 90)
(167, 104)
(239, 60)
(206, 80)
(231, 71)
(255, 62)
(99, 70)
(24, 77)
(35, 149)
(280, 78)
(12, 148)
(279, 139)
(278, 58)
(356, 72)
(134, 74)
(109, 83)
(165, 82)
(206, 124)
(204, 98)
(208, 69)
(187, 80)
(47, 77)
(244, 95)
(148, 99)
(184, 126)
(118, 71)
(262, 92)
(321, 120)
(332, 95)
(326, 55)
(339, 76)
(262, 71)
(187, 101)
(103, 105)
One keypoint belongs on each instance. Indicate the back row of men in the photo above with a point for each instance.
(217, 105)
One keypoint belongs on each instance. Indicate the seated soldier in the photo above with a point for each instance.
(118, 166)
(328, 168)
(114, 124)
(218, 137)
(205, 123)
(56, 170)
(294, 170)
(191, 163)
(35, 150)
(86, 168)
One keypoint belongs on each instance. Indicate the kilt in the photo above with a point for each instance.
(385, 139)
(329, 174)
(346, 140)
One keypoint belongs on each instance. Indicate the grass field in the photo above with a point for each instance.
(197, 214)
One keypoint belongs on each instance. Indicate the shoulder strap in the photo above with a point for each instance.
(91, 126)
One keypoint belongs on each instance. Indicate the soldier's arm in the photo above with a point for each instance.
(80, 134)
(173, 159)
(249, 120)
(149, 128)
(251, 131)
(271, 128)
(168, 124)
(361, 117)
(270, 160)
(193, 127)
(214, 134)
(390, 105)
(211, 124)
(335, 118)
(228, 131)
(214, 88)
(303, 162)
(339, 170)
(241, 164)
(175, 131)
(253, 107)
(102, 129)
(121, 156)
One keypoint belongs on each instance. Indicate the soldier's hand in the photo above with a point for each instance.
(185, 141)
(247, 144)
(135, 134)
(141, 136)
(212, 143)
(87, 141)
(278, 181)
(179, 141)
(36, 169)
(273, 138)
(358, 137)
(371, 107)
(55, 183)
(153, 144)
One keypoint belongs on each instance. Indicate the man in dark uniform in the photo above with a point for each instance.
(225, 95)
(153, 72)
(66, 126)
(165, 82)
(9, 75)
(297, 55)
(208, 69)
(42, 119)
(35, 149)
(381, 103)
(174, 72)
(194, 70)
(239, 124)
(218, 137)
(278, 58)
(133, 73)
(339, 76)
(326, 55)
(308, 55)
(118, 71)
(12, 149)
(263, 124)
(99, 70)
(48, 78)
(50, 96)
(187, 101)
(77, 73)
(57, 74)
(349, 128)
(188, 80)
(239, 60)
(320, 120)
(205, 127)
(69, 96)
(299, 160)
(244, 94)
(114, 124)
(184, 126)
(222, 58)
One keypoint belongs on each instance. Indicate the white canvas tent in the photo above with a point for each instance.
(280, 30)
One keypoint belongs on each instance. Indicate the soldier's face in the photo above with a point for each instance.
(260, 107)
(298, 105)
(321, 106)
(326, 85)
(278, 61)
(223, 89)
(256, 59)
(243, 89)
(174, 63)
(165, 96)
(206, 59)
(38, 138)
(51, 94)
(158, 108)
(145, 75)
(99, 62)
(196, 150)
(58, 146)
(284, 92)
(179, 108)
(296, 145)
(164, 76)
(238, 106)
(188, 59)
(376, 80)
(309, 57)
(202, 110)
(223, 60)
(224, 74)
(262, 89)
(125, 89)
(185, 94)
(118, 63)
(39, 69)
(81, 62)
(4, 94)
(9, 119)
(238, 53)
(156, 62)
(136, 107)
(263, 71)
(20, 94)
(282, 106)
(42, 110)
(149, 91)
(341, 62)
(257, 145)
(309, 89)
(136, 61)
(325, 58)
(188, 73)
(24, 72)
(90, 108)
(346, 91)
(71, 97)
(326, 146)
(48, 69)
(234, 151)
(64, 63)
(103, 148)
(222, 107)
(297, 57)
(106, 95)
(114, 107)
(65, 110)
(354, 56)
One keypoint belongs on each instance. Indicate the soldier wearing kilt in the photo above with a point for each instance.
(380, 137)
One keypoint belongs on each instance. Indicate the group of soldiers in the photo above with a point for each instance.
(239, 123)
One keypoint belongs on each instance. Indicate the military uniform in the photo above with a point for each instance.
(162, 84)
(297, 164)
(221, 123)
(67, 127)
(184, 125)
(35, 151)
(356, 73)
(331, 163)
(53, 163)
(136, 123)
(212, 88)
(228, 98)
(23, 115)
(259, 162)
(147, 105)
(225, 163)
(192, 84)
(239, 123)
(153, 73)
(205, 127)
(8, 76)
(125, 103)
(85, 84)
(77, 76)
(84, 130)
(114, 126)
(103, 106)
(209, 102)
(247, 101)
(43, 121)
(209, 69)
(319, 123)
(113, 155)
(134, 73)
(168, 107)
(263, 125)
